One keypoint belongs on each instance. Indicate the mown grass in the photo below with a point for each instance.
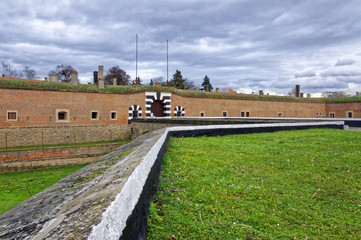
(128, 89)
(17, 187)
(123, 141)
(283, 185)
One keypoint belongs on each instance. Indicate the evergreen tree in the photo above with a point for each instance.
(178, 80)
(139, 82)
(206, 81)
(151, 82)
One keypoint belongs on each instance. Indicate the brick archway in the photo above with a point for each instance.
(164, 100)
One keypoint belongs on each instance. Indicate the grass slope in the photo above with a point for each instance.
(13, 185)
(128, 89)
(283, 185)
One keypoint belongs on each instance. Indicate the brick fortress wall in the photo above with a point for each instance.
(37, 113)
(37, 122)
(215, 107)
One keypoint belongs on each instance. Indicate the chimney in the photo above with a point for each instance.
(301, 95)
(261, 92)
(3, 75)
(298, 90)
(95, 77)
(357, 94)
(114, 81)
(217, 89)
(206, 88)
(101, 77)
(53, 77)
(308, 95)
(74, 78)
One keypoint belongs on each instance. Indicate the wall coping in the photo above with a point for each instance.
(103, 207)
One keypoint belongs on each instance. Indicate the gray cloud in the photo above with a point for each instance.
(306, 73)
(344, 62)
(267, 44)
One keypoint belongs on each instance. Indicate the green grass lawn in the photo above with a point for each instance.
(13, 185)
(284, 185)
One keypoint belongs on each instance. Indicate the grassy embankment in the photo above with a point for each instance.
(284, 185)
(128, 89)
(17, 187)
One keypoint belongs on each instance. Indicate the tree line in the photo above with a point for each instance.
(64, 72)
(178, 81)
(10, 72)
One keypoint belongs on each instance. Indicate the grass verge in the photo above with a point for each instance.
(283, 185)
(19, 186)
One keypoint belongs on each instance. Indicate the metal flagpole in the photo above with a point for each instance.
(167, 62)
(136, 59)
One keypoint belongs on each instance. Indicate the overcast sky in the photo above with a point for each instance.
(247, 45)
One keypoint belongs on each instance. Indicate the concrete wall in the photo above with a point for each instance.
(143, 125)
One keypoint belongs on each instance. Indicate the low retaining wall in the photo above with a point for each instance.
(109, 199)
(17, 160)
(142, 125)
(29, 136)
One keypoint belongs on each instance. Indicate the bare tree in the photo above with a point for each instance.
(189, 84)
(63, 72)
(292, 93)
(121, 76)
(334, 94)
(10, 71)
(29, 73)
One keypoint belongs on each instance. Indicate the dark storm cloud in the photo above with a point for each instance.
(270, 45)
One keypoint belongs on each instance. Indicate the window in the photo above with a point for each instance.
(62, 115)
(247, 114)
(202, 114)
(113, 115)
(242, 114)
(12, 115)
(279, 114)
(94, 115)
(349, 114)
(224, 114)
(332, 115)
